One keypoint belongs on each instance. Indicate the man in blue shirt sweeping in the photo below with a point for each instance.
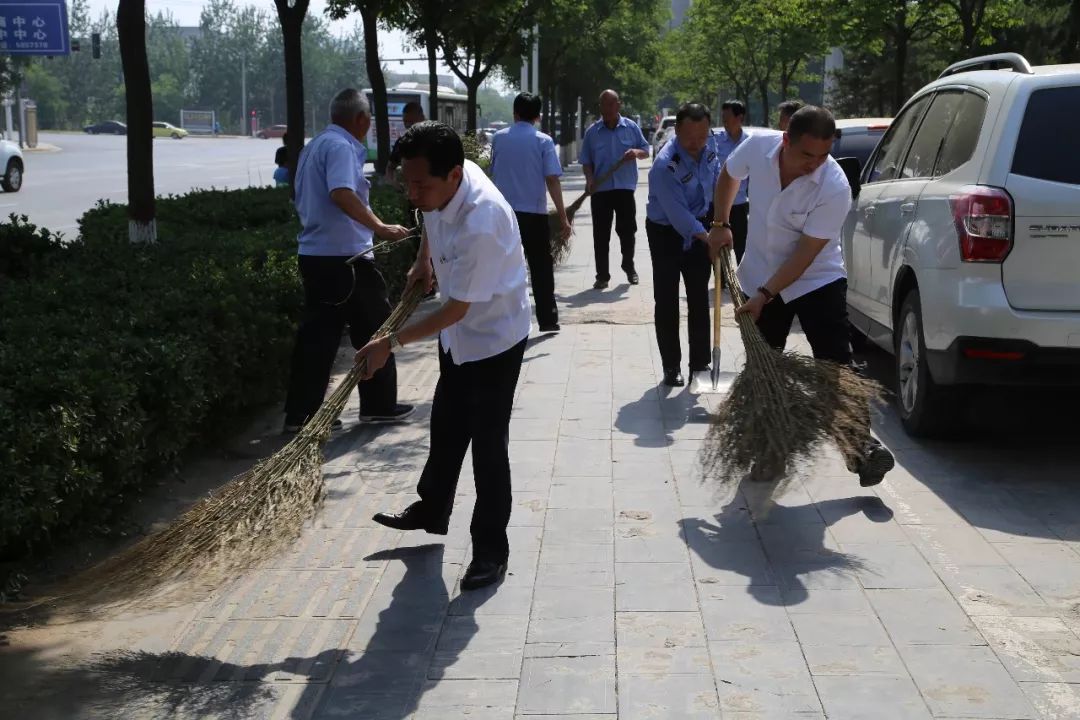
(612, 141)
(524, 163)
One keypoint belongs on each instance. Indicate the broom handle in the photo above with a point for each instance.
(602, 179)
(718, 300)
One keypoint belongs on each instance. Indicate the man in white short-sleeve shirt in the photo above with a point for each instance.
(472, 240)
(794, 265)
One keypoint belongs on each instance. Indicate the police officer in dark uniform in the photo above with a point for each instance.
(678, 218)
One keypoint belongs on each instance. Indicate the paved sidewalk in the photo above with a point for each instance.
(635, 591)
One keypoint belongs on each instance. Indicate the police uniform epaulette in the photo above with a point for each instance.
(673, 164)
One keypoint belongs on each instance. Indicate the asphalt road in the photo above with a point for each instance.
(60, 186)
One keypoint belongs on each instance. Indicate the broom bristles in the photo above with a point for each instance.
(781, 407)
(246, 522)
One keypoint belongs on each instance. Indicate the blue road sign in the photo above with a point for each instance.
(34, 28)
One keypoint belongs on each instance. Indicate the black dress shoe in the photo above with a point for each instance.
(550, 328)
(482, 573)
(600, 285)
(673, 378)
(632, 278)
(414, 517)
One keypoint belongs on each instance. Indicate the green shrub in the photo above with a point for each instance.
(114, 358)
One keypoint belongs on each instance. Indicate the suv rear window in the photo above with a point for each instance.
(1048, 146)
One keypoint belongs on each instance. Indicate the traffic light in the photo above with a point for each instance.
(95, 46)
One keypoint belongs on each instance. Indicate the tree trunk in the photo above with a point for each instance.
(431, 40)
(370, 19)
(763, 90)
(292, 24)
(900, 72)
(472, 85)
(131, 28)
(1072, 42)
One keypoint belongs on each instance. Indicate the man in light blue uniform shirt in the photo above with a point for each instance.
(679, 216)
(332, 201)
(523, 164)
(730, 137)
(612, 141)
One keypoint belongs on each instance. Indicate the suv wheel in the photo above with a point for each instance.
(13, 176)
(926, 408)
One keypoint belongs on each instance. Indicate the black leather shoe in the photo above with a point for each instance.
(600, 285)
(482, 573)
(550, 328)
(673, 378)
(632, 278)
(413, 517)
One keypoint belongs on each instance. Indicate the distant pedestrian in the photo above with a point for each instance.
(412, 113)
(524, 163)
(281, 159)
(613, 140)
(338, 224)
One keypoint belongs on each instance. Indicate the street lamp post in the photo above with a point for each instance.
(243, 92)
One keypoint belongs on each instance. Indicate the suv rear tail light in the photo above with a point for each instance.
(983, 217)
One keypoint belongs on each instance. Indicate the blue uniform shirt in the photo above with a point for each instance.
(602, 147)
(521, 158)
(724, 147)
(334, 159)
(681, 189)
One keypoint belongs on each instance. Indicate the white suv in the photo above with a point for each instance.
(11, 166)
(963, 244)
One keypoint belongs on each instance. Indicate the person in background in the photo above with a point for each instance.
(613, 140)
(787, 109)
(338, 225)
(523, 163)
(281, 159)
(471, 236)
(411, 114)
(732, 115)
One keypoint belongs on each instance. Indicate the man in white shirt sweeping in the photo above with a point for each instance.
(794, 264)
(472, 239)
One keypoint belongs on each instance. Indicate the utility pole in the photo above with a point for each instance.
(524, 72)
(243, 94)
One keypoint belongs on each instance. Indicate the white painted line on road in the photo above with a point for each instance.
(8, 205)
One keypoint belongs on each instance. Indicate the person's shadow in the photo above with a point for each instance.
(735, 540)
(658, 414)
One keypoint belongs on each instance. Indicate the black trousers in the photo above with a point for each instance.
(669, 262)
(332, 299)
(472, 404)
(605, 205)
(740, 225)
(536, 240)
(823, 316)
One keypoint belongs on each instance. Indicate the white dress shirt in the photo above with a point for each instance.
(815, 205)
(476, 250)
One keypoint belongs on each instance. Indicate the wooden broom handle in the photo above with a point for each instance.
(718, 297)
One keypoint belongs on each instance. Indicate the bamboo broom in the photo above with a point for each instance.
(781, 407)
(560, 247)
(246, 522)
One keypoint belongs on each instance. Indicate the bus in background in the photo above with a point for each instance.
(452, 110)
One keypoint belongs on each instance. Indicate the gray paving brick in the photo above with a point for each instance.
(692, 697)
(870, 697)
(1038, 649)
(581, 492)
(892, 566)
(557, 602)
(862, 660)
(1060, 701)
(654, 586)
(993, 590)
(568, 685)
(839, 629)
(950, 545)
(648, 543)
(924, 617)
(463, 697)
(755, 614)
(763, 677)
(963, 681)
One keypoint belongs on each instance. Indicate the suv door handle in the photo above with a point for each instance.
(870, 210)
(907, 208)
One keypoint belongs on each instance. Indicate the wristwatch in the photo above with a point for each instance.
(769, 294)
(395, 343)
(721, 224)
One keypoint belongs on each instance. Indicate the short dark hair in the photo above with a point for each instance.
(790, 107)
(817, 122)
(692, 111)
(528, 106)
(412, 106)
(435, 141)
(735, 106)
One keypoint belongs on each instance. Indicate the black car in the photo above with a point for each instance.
(857, 137)
(109, 127)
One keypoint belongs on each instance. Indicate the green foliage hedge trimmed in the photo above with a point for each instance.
(115, 358)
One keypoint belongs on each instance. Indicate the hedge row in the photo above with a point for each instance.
(114, 358)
